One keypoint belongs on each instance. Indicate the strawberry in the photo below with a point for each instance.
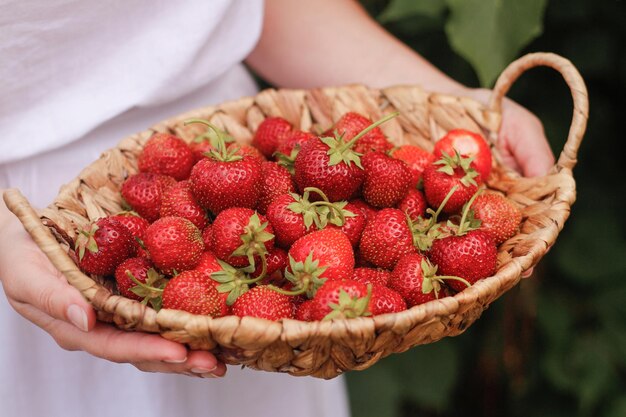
(287, 151)
(351, 123)
(386, 179)
(264, 303)
(442, 175)
(416, 158)
(207, 237)
(368, 211)
(206, 142)
(340, 299)
(191, 291)
(303, 311)
(240, 235)
(208, 265)
(136, 225)
(103, 245)
(137, 268)
(174, 244)
(386, 238)
(144, 193)
(472, 256)
(167, 155)
(385, 300)
(416, 280)
(270, 133)
(379, 277)
(499, 216)
(467, 144)
(465, 251)
(353, 222)
(331, 164)
(178, 201)
(224, 179)
(414, 204)
(277, 260)
(245, 150)
(331, 248)
(275, 180)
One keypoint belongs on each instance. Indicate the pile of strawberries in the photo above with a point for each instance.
(298, 225)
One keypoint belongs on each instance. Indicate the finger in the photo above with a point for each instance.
(199, 363)
(527, 273)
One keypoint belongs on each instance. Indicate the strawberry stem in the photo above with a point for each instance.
(222, 154)
(463, 225)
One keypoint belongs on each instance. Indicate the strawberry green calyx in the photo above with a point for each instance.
(152, 290)
(319, 212)
(341, 151)
(86, 241)
(254, 238)
(468, 222)
(432, 281)
(450, 163)
(425, 231)
(305, 277)
(236, 281)
(288, 161)
(221, 152)
(350, 307)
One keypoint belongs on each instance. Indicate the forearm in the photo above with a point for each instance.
(312, 43)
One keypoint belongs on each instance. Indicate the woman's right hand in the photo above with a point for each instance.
(40, 293)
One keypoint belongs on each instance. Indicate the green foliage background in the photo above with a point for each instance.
(556, 344)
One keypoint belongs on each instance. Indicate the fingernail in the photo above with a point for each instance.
(78, 317)
(175, 360)
(202, 370)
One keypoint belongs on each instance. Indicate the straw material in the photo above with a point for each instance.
(323, 349)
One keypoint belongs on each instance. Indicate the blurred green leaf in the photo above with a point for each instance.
(376, 391)
(429, 374)
(404, 9)
(490, 33)
(596, 373)
(617, 408)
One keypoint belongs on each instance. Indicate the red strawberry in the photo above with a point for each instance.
(289, 225)
(167, 155)
(443, 175)
(208, 265)
(144, 192)
(331, 165)
(270, 133)
(191, 291)
(467, 144)
(136, 225)
(277, 260)
(275, 180)
(386, 238)
(416, 280)
(368, 211)
(303, 311)
(340, 299)
(385, 300)
(353, 222)
(224, 179)
(416, 158)
(174, 244)
(138, 268)
(287, 151)
(246, 150)
(262, 302)
(372, 276)
(471, 255)
(178, 201)
(331, 248)
(207, 237)
(350, 124)
(499, 216)
(414, 204)
(206, 142)
(386, 179)
(240, 235)
(103, 245)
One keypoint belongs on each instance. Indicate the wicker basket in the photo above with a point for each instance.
(323, 349)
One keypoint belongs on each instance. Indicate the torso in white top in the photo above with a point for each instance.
(77, 76)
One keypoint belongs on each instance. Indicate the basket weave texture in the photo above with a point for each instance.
(329, 348)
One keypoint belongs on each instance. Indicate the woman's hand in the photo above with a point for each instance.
(40, 293)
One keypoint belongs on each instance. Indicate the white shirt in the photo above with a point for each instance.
(76, 77)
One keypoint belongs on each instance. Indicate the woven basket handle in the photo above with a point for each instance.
(574, 80)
